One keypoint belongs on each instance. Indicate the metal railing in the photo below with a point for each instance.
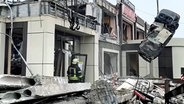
(37, 8)
(63, 12)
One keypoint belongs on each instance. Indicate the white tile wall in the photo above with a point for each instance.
(2, 46)
(35, 48)
(40, 48)
(123, 59)
(178, 61)
(35, 68)
(48, 49)
(96, 71)
(124, 70)
(89, 74)
(96, 54)
(123, 64)
(48, 70)
(142, 62)
(87, 39)
(89, 50)
(155, 68)
(62, 22)
(40, 45)
(35, 26)
(41, 69)
(156, 72)
(49, 24)
(42, 24)
(87, 30)
(143, 71)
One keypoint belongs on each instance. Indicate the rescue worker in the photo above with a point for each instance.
(74, 72)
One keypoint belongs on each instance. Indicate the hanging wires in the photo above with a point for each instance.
(11, 39)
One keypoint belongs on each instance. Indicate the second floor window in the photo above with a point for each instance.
(109, 26)
(127, 31)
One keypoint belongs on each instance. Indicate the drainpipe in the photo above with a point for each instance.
(120, 21)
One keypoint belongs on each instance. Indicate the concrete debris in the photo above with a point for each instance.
(129, 84)
(102, 93)
(10, 82)
(108, 90)
(40, 91)
(130, 90)
(144, 91)
(44, 87)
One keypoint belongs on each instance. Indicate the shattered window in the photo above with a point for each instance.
(13, 61)
(132, 64)
(139, 34)
(109, 26)
(127, 31)
(110, 63)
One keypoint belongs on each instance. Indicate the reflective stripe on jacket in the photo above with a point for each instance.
(72, 74)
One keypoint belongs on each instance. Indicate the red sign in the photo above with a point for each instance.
(129, 13)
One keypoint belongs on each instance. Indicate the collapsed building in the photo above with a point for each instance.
(112, 90)
(50, 33)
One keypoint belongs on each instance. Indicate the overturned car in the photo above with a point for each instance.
(159, 34)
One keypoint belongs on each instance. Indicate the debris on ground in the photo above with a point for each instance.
(109, 90)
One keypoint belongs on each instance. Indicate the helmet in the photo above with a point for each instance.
(75, 61)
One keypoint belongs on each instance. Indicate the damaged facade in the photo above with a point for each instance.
(133, 64)
(104, 36)
(41, 31)
(48, 43)
(109, 47)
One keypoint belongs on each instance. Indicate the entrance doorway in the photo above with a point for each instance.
(65, 45)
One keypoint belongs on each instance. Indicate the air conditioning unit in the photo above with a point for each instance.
(89, 10)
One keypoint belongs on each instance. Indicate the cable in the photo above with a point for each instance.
(149, 14)
(11, 17)
(10, 36)
(19, 54)
(146, 13)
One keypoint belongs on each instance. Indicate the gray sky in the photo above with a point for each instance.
(147, 10)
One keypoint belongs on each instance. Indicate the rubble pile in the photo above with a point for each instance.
(102, 92)
(108, 90)
(130, 90)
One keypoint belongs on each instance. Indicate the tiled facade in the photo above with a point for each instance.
(40, 49)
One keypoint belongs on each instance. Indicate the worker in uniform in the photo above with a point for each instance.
(74, 72)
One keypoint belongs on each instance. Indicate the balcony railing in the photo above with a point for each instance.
(24, 9)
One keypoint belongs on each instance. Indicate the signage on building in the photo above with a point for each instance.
(106, 5)
(129, 13)
(128, 3)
